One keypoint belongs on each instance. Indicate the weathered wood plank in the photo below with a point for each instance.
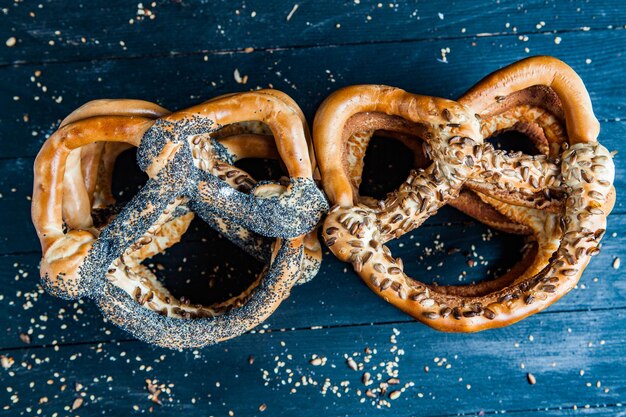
(573, 358)
(308, 75)
(164, 60)
(336, 297)
(54, 31)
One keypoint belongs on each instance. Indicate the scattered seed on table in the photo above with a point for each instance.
(6, 361)
(394, 395)
(77, 403)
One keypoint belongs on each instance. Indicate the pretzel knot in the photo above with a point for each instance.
(189, 157)
(560, 197)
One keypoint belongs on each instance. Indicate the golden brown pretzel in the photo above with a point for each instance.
(535, 112)
(520, 187)
(186, 168)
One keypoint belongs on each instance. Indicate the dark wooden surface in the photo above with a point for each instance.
(66, 53)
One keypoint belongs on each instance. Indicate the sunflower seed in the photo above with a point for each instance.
(489, 314)
(427, 302)
(385, 284)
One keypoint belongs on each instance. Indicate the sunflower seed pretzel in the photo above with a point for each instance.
(561, 197)
(78, 255)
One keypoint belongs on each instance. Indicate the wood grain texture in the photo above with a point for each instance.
(308, 75)
(463, 374)
(68, 53)
(55, 31)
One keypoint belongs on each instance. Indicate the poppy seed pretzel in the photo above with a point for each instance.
(256, 245)
(235, 142)
(76, 261)
(563, 202)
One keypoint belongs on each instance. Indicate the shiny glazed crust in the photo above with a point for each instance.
(560, 197)
(189, 157)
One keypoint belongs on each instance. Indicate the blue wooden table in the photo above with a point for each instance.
(60, 357)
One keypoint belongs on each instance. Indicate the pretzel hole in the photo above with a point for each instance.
(262, 169)
(128, 178)
(204, 267)
(379, 151)
(253, 147)
(201, 276)
(534, 112)
(515, 141)
(388, 161)
(443, 256)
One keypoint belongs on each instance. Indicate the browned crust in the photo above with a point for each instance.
(469, 203)
(514, 190)
(582, 125)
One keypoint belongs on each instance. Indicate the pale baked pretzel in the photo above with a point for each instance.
(562, 202)
(171, 150)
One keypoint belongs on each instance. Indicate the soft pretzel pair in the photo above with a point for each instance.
(560, 198)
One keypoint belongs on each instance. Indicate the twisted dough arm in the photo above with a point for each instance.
(535, 112)
(249, 140)
(283, 120)
(82, 165)
(582, 125)
(254, 212)
(523, 180)
(340, 106)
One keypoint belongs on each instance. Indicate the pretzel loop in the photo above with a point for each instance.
(563, 202)
(64, 253)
